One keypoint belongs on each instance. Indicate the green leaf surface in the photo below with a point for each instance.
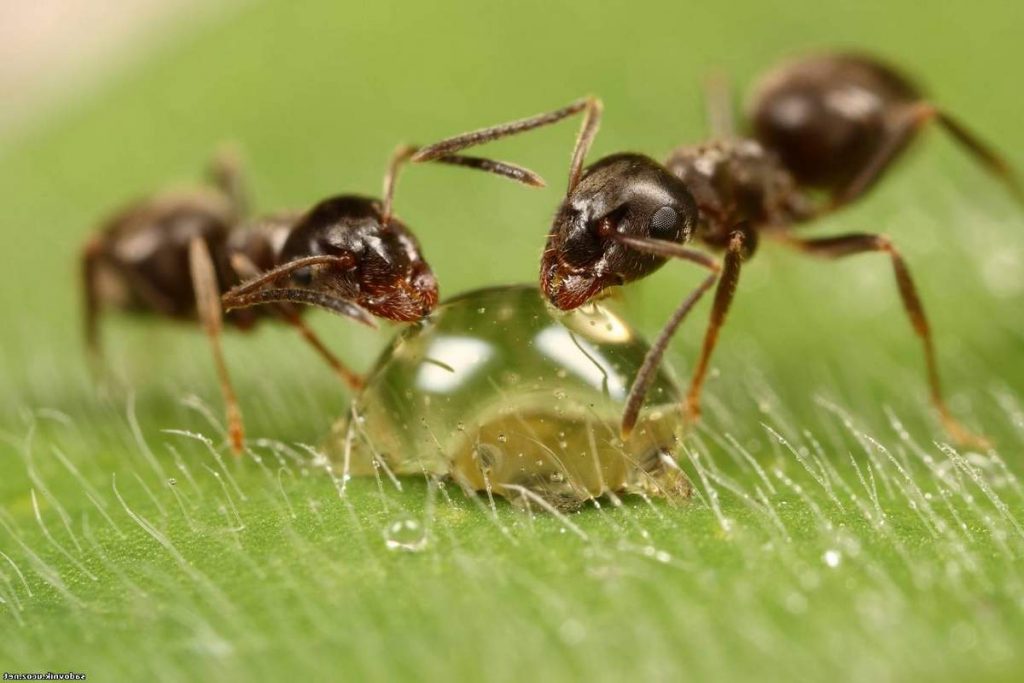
(832, 535)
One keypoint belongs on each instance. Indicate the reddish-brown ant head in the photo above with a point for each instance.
(620, 195)
(342, 257)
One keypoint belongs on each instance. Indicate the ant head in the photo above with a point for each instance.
(621, 195)
(343, 257)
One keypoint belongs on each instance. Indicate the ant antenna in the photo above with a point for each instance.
(591, 121)
(405, 153)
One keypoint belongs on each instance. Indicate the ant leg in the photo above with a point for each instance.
(907, 125)
(718, 106)
(724, 294)
(91, 259)
(247, 269)
(204, 281)
(91, 299)
(591, 121)
(983, 153)
(225, 173)
(644, 377)
(859, 243)
(347, 375)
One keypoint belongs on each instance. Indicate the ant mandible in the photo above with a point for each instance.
(173, 254)
(832, 124)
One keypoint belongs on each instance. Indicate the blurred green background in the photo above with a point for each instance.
(317, 95)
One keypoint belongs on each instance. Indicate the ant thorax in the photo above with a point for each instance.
(262, 240)
(252, 248)
(737, 182)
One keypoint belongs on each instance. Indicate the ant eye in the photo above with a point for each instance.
(302, 276)
(663, 223)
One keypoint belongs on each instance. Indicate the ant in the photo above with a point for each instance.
(823, 131)
(174, 253)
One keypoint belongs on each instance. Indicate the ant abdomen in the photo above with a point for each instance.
(827, 117)
(141, 262)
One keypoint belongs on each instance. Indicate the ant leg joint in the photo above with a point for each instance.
(736, 240)
(924, 111)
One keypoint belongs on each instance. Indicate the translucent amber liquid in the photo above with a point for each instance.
(504, 393)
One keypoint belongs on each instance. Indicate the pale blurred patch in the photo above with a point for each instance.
(52, 50)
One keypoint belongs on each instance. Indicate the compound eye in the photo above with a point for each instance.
(663, 223)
